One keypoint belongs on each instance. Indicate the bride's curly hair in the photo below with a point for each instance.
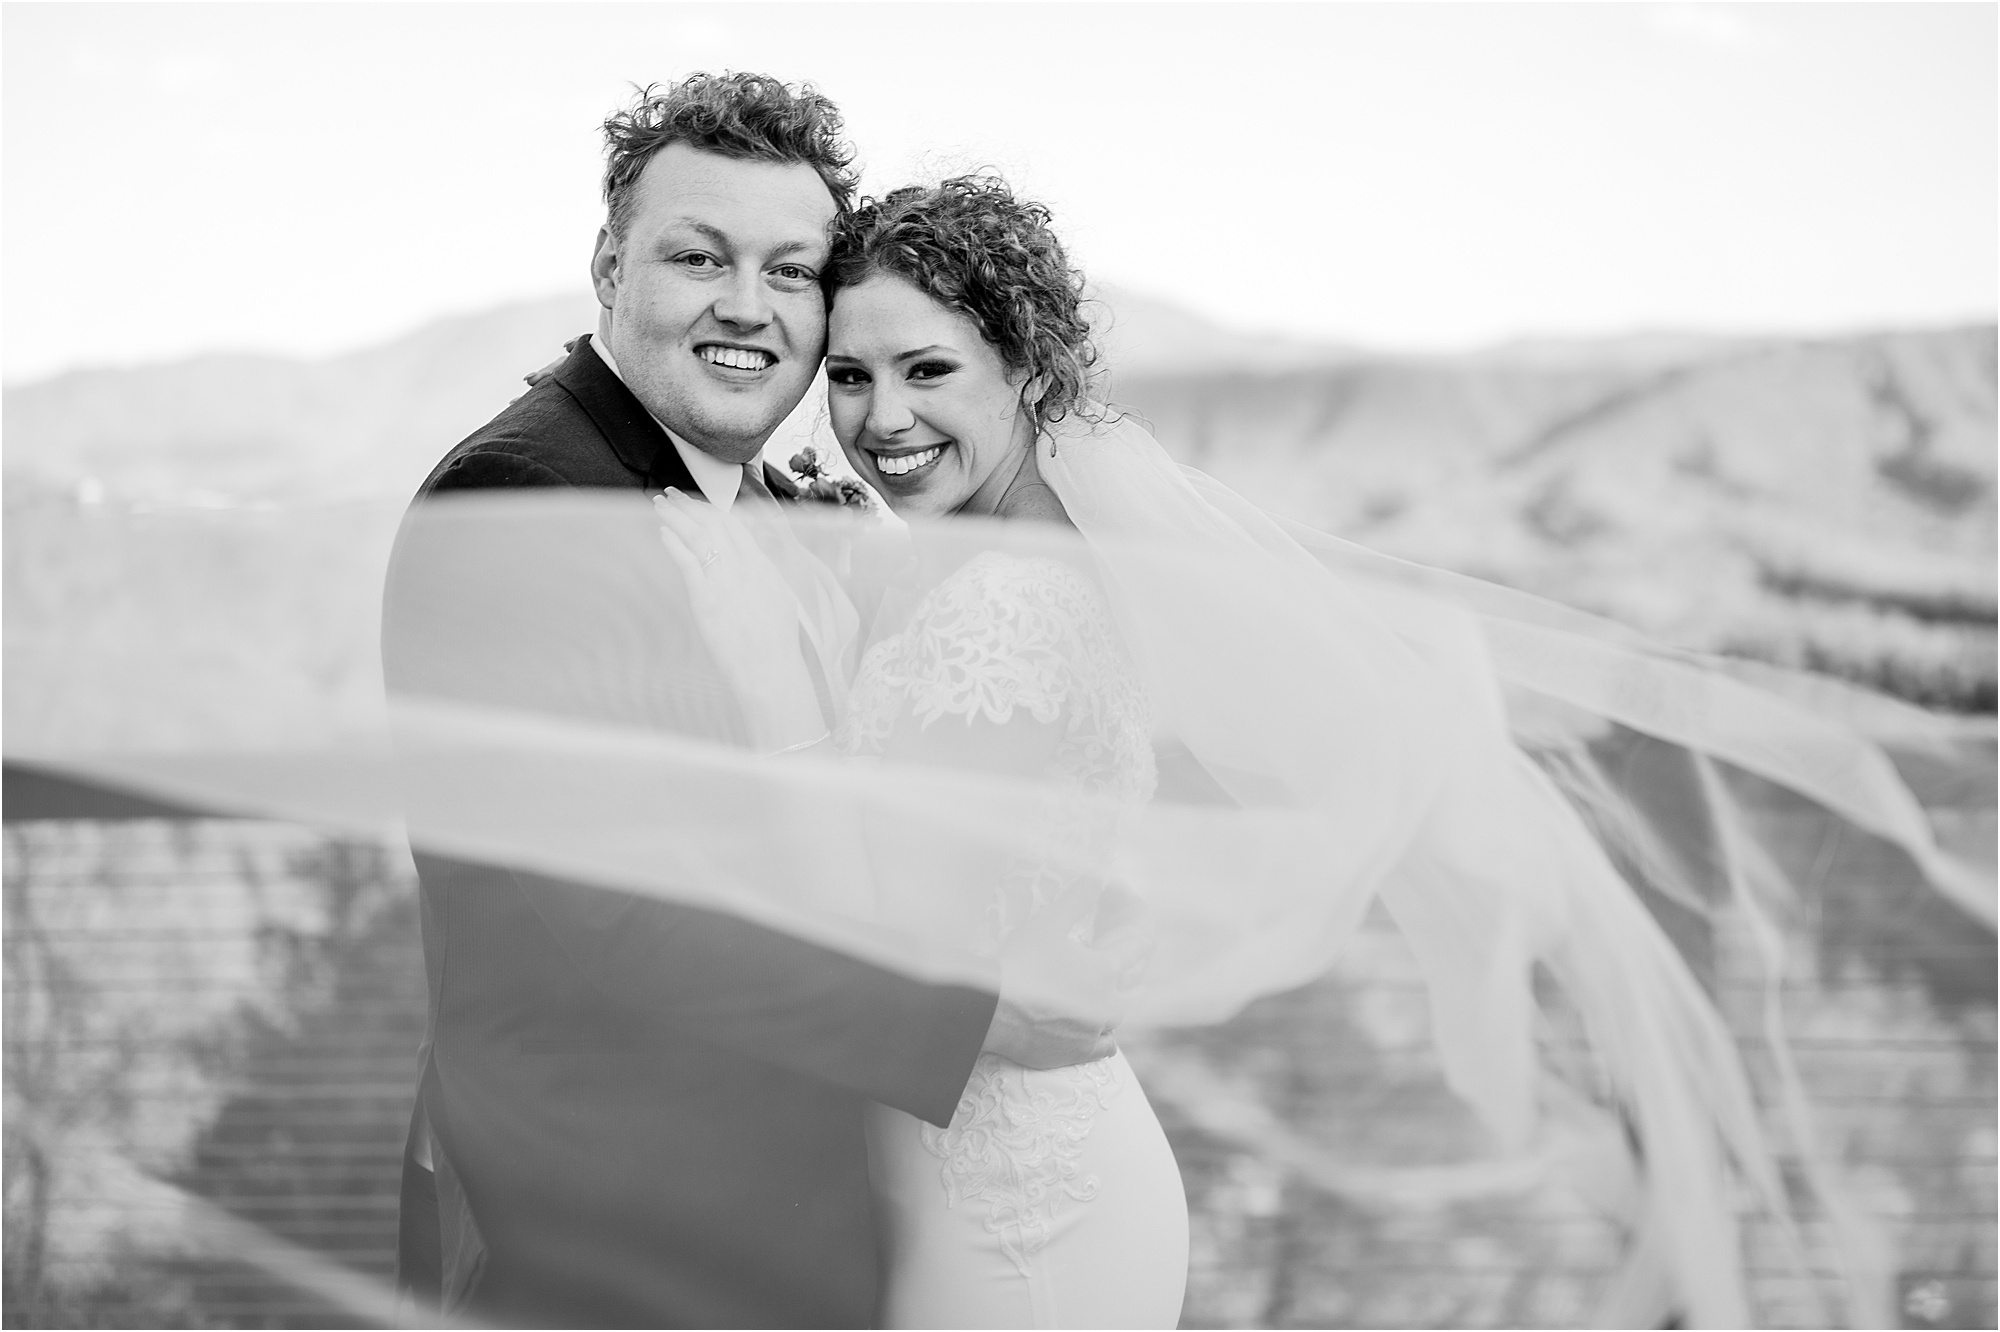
(974, 248)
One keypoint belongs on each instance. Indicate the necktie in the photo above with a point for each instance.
(755, 493)
(754, 488)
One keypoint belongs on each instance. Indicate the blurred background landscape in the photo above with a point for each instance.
(1825, 503)
(233, 1007)
(1682, 314)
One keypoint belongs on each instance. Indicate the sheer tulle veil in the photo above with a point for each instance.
(1333, 728)
(1406, 704)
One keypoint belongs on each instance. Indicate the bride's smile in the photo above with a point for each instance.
(903, 465)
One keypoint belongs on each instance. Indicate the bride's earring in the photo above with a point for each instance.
(1032, 394)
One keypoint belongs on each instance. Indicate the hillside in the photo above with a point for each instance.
(1823, 503)
(221, 428)
(239, 427)
(1827, 503)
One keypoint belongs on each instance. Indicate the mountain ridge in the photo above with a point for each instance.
(1822, 501)
(226, 422)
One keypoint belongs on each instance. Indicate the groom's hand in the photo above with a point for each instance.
(1060, 1000)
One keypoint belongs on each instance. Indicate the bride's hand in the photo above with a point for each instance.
(535, 377)
(748, 617)
(1125, 932)
(1060, 1000)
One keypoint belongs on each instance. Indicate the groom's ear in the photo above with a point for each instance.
(604, 268)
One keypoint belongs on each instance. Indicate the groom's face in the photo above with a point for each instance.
(712, 294)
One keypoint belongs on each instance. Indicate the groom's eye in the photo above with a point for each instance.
(794, 279)
(698, 260)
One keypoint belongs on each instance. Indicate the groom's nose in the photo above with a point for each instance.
(744, 302)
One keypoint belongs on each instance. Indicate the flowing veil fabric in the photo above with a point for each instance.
(1502, 870)
(1484, 866)
(1333, 728)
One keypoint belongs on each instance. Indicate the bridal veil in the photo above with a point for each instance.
(1335, 729)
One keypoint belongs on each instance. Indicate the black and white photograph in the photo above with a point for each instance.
(999, 664)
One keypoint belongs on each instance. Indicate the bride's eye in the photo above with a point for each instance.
(931, 369)
(847, 376)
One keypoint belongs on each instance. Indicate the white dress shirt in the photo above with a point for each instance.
(718, 480)
(826, 617)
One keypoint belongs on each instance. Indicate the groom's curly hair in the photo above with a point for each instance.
(973, 247)
(744, 116)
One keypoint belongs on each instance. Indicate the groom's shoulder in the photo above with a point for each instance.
(543, 438)
(537, 441)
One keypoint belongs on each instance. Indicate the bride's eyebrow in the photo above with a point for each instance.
(898, 359)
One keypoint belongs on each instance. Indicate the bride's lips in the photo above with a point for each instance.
(907, 465)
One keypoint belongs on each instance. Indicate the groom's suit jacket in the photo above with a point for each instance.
(643, 1114)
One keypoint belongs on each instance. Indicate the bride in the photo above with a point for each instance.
(1091, 623)
(955, 340)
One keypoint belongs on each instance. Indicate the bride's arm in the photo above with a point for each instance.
(1061, 1000)
(988, 698)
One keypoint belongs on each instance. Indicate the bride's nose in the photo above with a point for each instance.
(888, 414)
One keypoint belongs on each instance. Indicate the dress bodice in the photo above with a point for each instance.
(1003, 636)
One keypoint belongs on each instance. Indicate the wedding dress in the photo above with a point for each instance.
(1052, 1199)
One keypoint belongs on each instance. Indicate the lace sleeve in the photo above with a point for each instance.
(1025, 652)
(1022, 644)
(1001, 634)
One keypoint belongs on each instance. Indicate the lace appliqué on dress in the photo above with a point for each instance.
(1003, 634)
(1014, 1142)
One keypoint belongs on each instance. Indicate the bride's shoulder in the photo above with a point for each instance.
(1001, 578)
(1003, 629)
(1011, 602)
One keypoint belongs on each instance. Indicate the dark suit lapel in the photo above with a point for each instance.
(782, 487)
(626, 425)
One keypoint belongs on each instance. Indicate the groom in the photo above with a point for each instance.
(634, 1113)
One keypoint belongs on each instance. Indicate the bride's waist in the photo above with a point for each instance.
(996, 1082)
(994, 1065)
(999, 1089)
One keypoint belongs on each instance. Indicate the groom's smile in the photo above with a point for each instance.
(711, 296)
(747, 361)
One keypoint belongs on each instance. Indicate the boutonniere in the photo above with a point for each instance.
(818, 481)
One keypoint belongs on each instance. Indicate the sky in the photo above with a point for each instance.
(308, 179)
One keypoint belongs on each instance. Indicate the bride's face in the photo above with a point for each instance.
(922, 404)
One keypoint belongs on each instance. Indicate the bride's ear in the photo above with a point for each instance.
(604, 268)
(1033, 389)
